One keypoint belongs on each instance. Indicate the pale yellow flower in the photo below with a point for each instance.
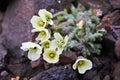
(34, 50)
(46, 16)
(43, 34)
(37, 22)
(80, 24)
(46, 44)
(59, 41)
(82, 65)
(51, 55)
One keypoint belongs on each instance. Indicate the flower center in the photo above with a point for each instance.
(80, 63)
(33, 50)
(47, 17)
(60, 43)
(42, 33)
(52, 55)
(41, 23)
(47, 45)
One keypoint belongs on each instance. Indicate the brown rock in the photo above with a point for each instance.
(107, 77)
(16, 24)
(116, 73)
(4, 73)
(57, 73)
(110, 19)
(1, 18)
(97, 4)
(17, 29)
(96, 77)
(115, 3)
(3, 4)
(117, 49)
(36, 63)
(68, 57)
(90, 75)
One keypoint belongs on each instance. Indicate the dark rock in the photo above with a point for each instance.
(4, 73)
(16, 28)
(89, 75)
(3, 52)
(4, 4)
(16, 23)
(117, 48)
(107, 77)
(109, 20)
(97, 4)
(116, 73)
(1, 18)
(96, 77)
(68, 57)
(115, 3)
(36, 63)
(57, 73)
(52, 5)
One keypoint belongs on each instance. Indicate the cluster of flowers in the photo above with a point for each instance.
(47, 47)
(51, 49)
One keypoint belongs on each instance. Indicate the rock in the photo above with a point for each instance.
(4, 73)
(1, 18)
(96, 77)
(36, 63)
(99, 4)
(107, 77)
(57, 73)
(3, 53)
(109, 20)
(68, 57)
(116, 72)
(16, 28)
(53, 5)
(89, 75)
(4, 4)
(117, 49)
(115, 3)
(16, 24)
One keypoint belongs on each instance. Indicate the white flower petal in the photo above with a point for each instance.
(60, 50)
(37, 22)
(26, 45)
(88, 64)
(51, 22)
(84, 66)
(48, 58)
(46, 16)
(81, 70)
(43, 34)
(57, 36)
(74, 66)
(33, 56)
(53, 44)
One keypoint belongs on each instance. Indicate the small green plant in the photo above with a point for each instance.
(80, 25)
(75, 30)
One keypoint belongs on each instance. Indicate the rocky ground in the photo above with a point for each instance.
(15, 28)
